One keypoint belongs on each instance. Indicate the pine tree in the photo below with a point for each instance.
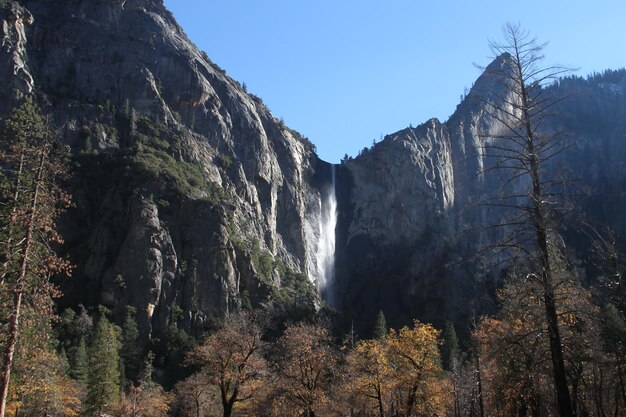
(103, 378)
(131, 351)
(145, 376)
(614, 332)
(380, 327)
(32, 162)
(83, 324)
(450, 351)
(78, 370)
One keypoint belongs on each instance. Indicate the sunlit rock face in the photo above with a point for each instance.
(414, 212)
(111, 71)
(120, 79)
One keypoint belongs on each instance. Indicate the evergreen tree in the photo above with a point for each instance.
(83, 324)
(145, 376)
(380, 327)
(614, 332)
(131, 351)
(78, 370)
(103, 378)
(450, 352)
(170, 349)
(66, 331)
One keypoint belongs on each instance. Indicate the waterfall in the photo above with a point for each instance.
(326, 244)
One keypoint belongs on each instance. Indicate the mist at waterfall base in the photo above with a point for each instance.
(326, 245)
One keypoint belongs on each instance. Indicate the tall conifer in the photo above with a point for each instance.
(380, 327)
(103, 379)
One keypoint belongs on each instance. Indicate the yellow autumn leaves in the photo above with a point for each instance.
(400, 374)
(304, 373)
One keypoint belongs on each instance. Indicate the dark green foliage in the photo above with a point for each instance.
(150, 159)
(145, 376)
(169, 349)
(131, 350)
(614, 331)
(103, 378)
(67, 331)
(256, 99)
(246, 304)
(83, 323)
(296, 296)
(450, 351)
(380, 327)
(224, 161)
(72, 332)
(262, 260)
(70, 329)
(85, 139)
(176, 313)
(263, 263)
(79, 363)
(151, 162)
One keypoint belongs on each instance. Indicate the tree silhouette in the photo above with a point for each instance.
(522, 146)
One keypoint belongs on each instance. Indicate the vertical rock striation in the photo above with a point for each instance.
(193, 200)
(185, 181)
(416, 200)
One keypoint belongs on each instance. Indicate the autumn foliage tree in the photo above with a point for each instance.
(230, 360)
(33, 165)
(195, 395)
(40, 384)
(398, 375)
(146, 398)
(421, 387)
(515, 348)
(368, 377)
(306, 367)
(143, 401)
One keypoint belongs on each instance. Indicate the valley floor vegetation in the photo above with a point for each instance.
(90, 362)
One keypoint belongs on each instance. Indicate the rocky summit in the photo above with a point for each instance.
(193, 201)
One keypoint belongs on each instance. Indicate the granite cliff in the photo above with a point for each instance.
(189, 192)
(413, 220)
(193, 200)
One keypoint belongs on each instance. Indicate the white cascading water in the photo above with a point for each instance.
(326, 244)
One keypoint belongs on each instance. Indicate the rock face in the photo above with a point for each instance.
(392, 206)
(415, 221)
(14, 68)
(184, 181)
(193, 201)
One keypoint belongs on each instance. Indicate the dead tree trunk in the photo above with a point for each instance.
(525, 148)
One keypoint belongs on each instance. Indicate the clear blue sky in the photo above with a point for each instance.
(345, 72)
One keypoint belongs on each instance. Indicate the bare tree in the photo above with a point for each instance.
(523, 144)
